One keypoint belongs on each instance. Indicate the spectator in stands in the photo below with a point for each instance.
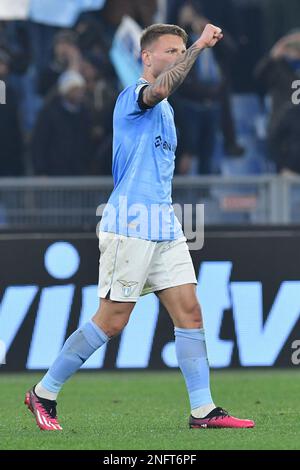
(62, 141)
(142, 12)
(224, 13)
(276, 73)
(242, 23)
(14, 36)
(114, 10)
(11, 163)
(100, 98)
(66, 56)
(225, 16)
(91, 42)
(285, 140)
(41, 38)
(90, 35)
(198, 101)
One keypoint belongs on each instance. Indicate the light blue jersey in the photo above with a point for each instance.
(144, 147)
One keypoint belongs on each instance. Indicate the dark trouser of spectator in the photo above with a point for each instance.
(41, 41)
(284, 139)
(11, 140)
(197, 134)
(231, 146)
(101, 164)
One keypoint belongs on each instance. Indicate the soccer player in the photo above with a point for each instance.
(148, 252)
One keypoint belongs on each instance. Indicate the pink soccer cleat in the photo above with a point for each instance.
(219, 418)
(43, 410)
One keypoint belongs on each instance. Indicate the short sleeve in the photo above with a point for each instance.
(139, 91)
(130, 102)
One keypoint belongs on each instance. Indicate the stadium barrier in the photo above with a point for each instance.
(43, 203)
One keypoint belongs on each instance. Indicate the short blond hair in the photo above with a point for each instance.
(153, 32)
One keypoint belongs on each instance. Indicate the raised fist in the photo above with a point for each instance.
(210, 36)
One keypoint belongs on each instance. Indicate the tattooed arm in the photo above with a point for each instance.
(169, 80)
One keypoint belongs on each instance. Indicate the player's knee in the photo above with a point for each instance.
(116, 327)
(111, 324)
(193, 316)
(111, 328)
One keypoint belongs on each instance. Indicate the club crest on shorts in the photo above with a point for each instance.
(127, 287)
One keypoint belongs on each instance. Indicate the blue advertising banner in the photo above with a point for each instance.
(248, 286)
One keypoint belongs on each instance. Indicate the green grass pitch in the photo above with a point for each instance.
(149, 410)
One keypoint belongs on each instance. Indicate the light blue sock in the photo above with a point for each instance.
(76, 350)
(192, 360)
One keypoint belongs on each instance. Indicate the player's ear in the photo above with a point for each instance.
(146, 58)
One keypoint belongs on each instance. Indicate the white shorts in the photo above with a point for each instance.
(131, 267)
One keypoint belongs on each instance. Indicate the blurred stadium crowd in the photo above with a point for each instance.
(234, 113)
